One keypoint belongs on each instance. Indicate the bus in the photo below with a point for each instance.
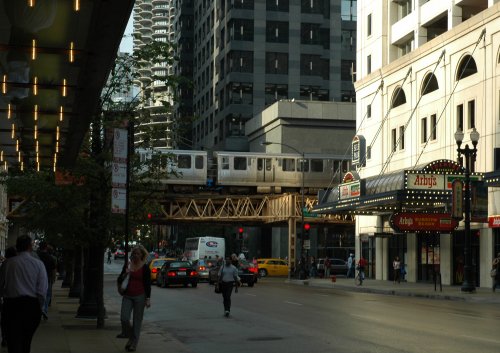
(199, 247)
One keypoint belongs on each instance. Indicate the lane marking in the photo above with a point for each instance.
(293, 303)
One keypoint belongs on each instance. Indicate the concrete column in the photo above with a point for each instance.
(446, 259)
(412, 257)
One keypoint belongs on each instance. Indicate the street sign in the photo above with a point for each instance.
(422, 222)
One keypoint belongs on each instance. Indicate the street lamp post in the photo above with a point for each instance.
(302, 204)
(470, 158)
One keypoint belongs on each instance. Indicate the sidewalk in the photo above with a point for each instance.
(63, 333)
(423, 290)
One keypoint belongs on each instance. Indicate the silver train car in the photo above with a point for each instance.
(249, 172)
(241, 172)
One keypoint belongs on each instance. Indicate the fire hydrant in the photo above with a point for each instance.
(334, 278)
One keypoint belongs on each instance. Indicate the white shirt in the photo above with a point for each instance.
(23, 275)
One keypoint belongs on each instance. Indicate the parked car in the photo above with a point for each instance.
(156, 264)
(119, 254)
(177, 272)
(247, 272)
(272, 267)
(337, 266)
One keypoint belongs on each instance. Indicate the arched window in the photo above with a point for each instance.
(398, 97)
(429, 84)
(466, 67)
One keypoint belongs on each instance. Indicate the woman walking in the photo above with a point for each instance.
(396, 265)
(228, 277)
(136, 296)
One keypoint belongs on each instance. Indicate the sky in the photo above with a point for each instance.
(126, 43)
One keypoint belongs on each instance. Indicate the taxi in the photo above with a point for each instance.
(272, 267)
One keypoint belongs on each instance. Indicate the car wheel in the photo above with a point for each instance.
(262, 272)
(195, 284)
(250, 284)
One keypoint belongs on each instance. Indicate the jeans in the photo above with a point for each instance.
(227, 289)
(137, 305)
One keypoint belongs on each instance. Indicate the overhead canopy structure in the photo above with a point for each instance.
(55, 56)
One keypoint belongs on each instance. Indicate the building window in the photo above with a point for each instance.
(433, 127)
(369, 111)
(394, 139)
(429, 84)
(466, 67)
(423, 130)
(277, 63)
(460, 117)
(401, 137)
(369, 25)
(369, 64)
(471, 108)
(276, 32)
(398, 98)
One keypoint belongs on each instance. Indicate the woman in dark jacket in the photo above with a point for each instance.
(136, 296)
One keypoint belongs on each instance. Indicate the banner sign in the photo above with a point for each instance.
(422, 222)
(494, 221)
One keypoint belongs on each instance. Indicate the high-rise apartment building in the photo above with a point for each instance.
(426, 70)
(153, 20)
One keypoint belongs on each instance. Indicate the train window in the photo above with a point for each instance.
(198, 162)
(302, 162)
(269, 163)
(317, 165)
(240, 163)
(225, 162)
(184, 162)
(288, 165)
(260, 163)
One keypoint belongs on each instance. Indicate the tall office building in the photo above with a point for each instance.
(425, 70)
(249, 54)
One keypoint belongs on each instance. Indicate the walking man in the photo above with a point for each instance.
(23, 286)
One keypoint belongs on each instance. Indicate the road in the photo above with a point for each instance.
(277, 317)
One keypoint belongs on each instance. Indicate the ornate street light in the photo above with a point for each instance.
(470, 159)
(302, 203)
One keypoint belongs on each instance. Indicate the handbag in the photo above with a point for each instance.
(493, 272)
(122, 283)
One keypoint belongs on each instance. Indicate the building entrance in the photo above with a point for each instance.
(429, 257)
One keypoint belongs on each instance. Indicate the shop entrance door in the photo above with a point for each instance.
(430, 254)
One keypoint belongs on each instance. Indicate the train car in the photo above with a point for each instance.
(187, 168)
(248, 172)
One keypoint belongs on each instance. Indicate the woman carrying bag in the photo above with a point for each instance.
(228, 277)
(136, 296)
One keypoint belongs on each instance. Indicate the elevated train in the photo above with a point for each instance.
(249, 172)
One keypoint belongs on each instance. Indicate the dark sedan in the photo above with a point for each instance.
(177, 272)
(246, 271)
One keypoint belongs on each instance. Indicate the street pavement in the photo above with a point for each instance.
(63, 332)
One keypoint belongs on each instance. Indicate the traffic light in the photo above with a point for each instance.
(307, 228)
(240, 233)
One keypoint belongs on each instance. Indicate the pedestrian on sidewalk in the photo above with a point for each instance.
(23, 285)
(351, 264)
(50, 264)
(9, 252)
(228, 278)
(396, 265)
(496, 266)
(136, 297)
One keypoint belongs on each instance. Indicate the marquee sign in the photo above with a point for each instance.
(422, 222)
